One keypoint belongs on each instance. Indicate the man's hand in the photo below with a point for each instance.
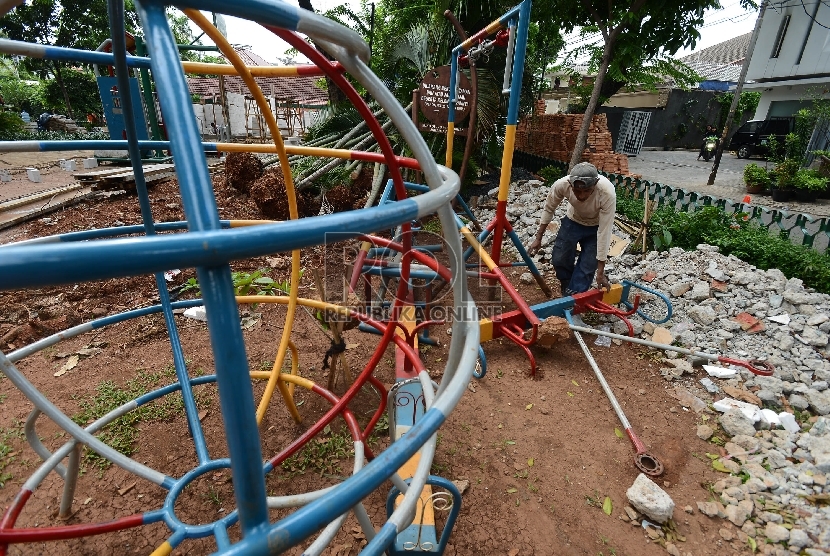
(602, 279)
(535, 246)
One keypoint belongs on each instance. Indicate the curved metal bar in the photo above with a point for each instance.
(627, 285)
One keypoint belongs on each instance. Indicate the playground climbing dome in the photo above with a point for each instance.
(205, 242)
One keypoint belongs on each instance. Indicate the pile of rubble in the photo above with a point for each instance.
(774, 430)
(63, 123)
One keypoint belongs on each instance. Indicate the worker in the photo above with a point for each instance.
(592, 204)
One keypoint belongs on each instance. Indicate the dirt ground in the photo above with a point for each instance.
(46, 162)
(540, 455)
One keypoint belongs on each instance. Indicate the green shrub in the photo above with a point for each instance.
(785, 172)
(756, 175)
(552, 173)
(734, 236)
(10, 126)
(809, 180)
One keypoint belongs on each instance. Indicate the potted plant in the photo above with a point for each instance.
(808, 183)
(756, 178)
(784, 173)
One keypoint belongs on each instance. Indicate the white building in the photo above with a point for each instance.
(791, 57)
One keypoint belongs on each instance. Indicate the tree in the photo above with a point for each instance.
(81, 88)
(634, 33)
(81, 24)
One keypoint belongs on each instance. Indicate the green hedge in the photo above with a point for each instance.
(734, 236)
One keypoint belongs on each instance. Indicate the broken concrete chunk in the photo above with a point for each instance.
(649, 499)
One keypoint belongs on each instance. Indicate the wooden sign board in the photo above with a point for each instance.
(434, 98)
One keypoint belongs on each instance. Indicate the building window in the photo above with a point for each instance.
(779, 40)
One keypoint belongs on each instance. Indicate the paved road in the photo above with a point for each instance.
(682, 169)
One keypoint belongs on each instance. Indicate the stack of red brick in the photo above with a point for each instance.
(554, 136)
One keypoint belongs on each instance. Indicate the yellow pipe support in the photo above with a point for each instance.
(614, 295)
(507, 161)
(450, 138)
(203, 68)
(290, 149)
(288, 391)
(494, 26)
(483, 255)
(243, 223)
(164, 549)
(293, 379)
(233, 57)
(485, 327)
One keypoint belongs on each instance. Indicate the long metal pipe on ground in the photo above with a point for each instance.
(645, 462)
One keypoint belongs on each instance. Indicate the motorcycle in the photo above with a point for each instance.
(710, 145)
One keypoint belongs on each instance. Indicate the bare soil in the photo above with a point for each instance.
(540, 455)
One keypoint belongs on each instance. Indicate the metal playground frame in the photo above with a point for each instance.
(209, 244)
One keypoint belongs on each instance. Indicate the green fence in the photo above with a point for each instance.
(800, 229)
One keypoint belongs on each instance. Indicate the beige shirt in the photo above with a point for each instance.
(596, 210)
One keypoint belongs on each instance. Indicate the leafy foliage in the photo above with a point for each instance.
(756, 175)
(635, 35)
(10, 126)
(552, 173)
(747, 103)
(809, 180)
(82, 90)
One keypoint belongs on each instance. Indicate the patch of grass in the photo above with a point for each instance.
(592, 318)
(594, 501)
(122, 433)
(381, 429)
(433, 226)
(6, 449)
(653, 355)
(323, 454)
(213, 496)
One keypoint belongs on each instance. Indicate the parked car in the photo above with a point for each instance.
(753, 137)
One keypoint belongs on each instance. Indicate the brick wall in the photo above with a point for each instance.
(554, 136)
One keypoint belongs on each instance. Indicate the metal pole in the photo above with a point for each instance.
(738, 89)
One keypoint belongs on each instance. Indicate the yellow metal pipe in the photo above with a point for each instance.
(507, 161)
(226, 69)
(233, 57)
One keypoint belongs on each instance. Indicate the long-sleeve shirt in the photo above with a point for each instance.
(596, 210)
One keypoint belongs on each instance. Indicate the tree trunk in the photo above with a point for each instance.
(59, 77)
(336, 96)
(582, 138)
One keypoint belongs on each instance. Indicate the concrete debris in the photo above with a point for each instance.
(730, 308)
(649, 499)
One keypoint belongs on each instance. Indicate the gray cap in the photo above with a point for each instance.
(586, 173)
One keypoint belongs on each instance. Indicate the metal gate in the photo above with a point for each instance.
(632, 132)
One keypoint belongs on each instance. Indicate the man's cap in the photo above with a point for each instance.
(584, 176)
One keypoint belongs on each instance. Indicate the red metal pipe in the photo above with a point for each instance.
(37, 534)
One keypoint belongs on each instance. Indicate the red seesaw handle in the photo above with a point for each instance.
(755, 366)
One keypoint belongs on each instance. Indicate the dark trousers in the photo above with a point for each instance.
(575, 274)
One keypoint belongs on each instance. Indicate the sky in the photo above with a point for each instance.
(720, 25)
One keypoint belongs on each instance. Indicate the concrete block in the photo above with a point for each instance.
(33, 174)
(90, 163)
